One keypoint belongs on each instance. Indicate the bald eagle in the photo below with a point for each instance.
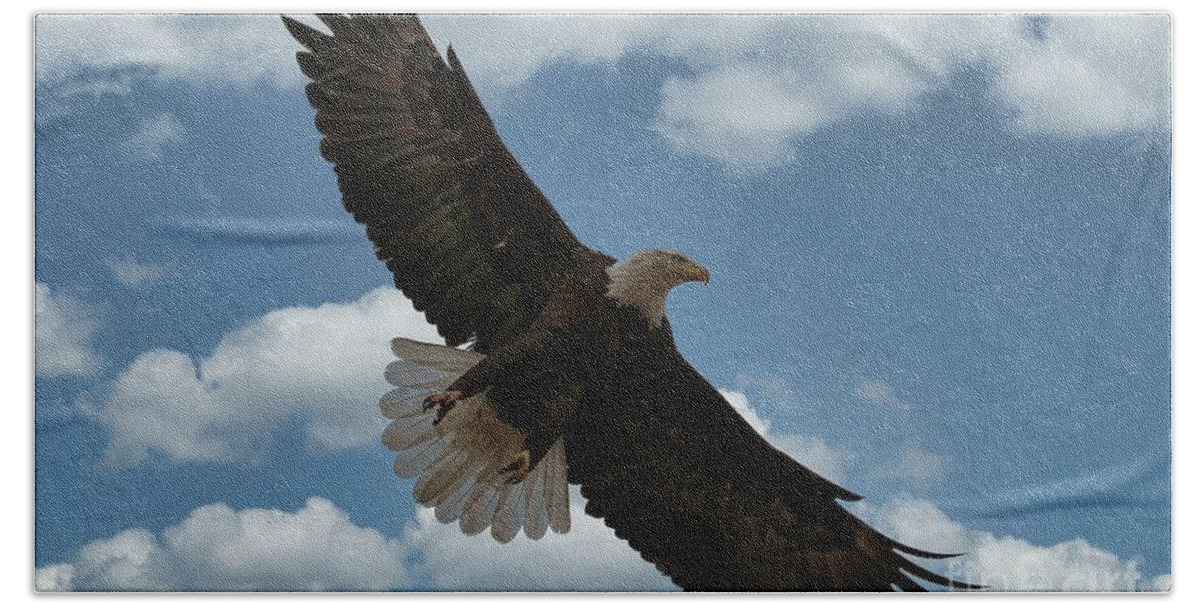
(570, 373)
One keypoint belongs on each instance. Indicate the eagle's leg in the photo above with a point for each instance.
(479, 378)
(444, 402)
(518, 469)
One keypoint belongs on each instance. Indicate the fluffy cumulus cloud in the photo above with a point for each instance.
(220, 49)
(1089, 74)
(63, 329)
(588, 558)
(323, 366)
(316, 548)
(505, 50)
(1008, 563)
(759, 82)
(1160, 583)
(755, 83)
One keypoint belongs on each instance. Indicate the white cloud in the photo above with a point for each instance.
(324, 365)
(813, 452)
(217, 49)
(53, 578)
(1095, 74)
(63, 329)
(316, 548)
(1008, 563)
(130, 561)
(1161, 582)
(742, 406)
(505, 50)
(588, 558)
(739, 115)
(132, 273)
(217, 548)
(912, 464)
(152, 137)
(759, 82)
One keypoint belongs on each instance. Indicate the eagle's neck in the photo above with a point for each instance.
(639, 286)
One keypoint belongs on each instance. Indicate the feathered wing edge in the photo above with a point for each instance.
(899, 556)
(698, 492)
(466, 233)
(457, 462)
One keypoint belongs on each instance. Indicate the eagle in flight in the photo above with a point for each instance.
(571, 374)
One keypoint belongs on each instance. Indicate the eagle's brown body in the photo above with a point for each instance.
(572, 361)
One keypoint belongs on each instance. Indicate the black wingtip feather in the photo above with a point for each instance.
(912, 569)
(922, 553)
(335, 21)
(848, 496)
(310, 65)
(308, 36)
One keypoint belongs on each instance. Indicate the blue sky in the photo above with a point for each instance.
(940, 250)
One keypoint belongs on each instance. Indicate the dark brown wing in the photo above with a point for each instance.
(674, 470)
(468, 236)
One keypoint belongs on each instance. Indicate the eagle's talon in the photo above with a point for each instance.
(444, 402)
(518, 469)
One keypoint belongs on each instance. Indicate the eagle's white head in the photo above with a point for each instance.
(643, 280)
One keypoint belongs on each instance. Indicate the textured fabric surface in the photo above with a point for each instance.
(938, 264)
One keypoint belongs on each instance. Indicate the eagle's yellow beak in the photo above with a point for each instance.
(698, 273)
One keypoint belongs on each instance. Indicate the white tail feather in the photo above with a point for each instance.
(504, 523)
(442, 358)
(403, 373)
(458, 462)
(400, 437)
(535, 504)
(558, 503)
(441, 474)
(410, 463)
(481, 506)
(399, 403)
(451, 509)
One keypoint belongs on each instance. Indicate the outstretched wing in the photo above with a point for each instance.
(674, 470)
(468, 236)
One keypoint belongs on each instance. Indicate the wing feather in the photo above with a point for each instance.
(675, 471)
(465, 232)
